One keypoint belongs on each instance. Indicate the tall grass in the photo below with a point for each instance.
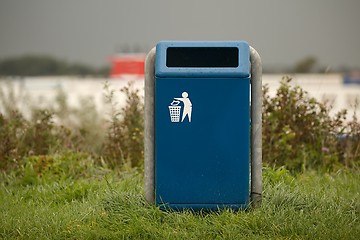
(309, 206)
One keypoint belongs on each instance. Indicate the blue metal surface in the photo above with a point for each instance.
(202, 162)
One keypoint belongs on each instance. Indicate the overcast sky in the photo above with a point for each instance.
(89, 31)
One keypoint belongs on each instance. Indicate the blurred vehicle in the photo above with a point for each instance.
(125, 66)
(352, 78)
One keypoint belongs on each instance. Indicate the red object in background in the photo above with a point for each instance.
(127, 64)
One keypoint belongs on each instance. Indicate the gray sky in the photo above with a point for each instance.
(89, 31)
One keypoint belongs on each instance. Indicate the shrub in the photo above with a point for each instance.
(11, 129)
(45, 131)
(349, 145)
(124, 141)
(21, 137)
(299, 132)
(59, 128)
(81, 128)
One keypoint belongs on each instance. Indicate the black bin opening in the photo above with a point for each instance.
(209, 57)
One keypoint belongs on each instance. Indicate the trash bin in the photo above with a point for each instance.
(201, 129)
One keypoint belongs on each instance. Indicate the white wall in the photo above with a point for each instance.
(43, 90)
(323, 87)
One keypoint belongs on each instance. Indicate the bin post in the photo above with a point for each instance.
(256, 127)
(149, 131)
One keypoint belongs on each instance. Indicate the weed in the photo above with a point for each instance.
(21, 137)
(124, 141)
(80, 128)
(299, 133)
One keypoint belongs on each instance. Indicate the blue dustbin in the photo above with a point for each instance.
(197, 125)
(202, 125)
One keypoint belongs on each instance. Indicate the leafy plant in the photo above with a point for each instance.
(21, 137)
(124, 141)
(45, 131)
(299, 132)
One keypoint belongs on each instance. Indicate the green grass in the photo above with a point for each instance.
(309, 206)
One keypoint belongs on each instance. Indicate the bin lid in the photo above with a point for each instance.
(199, 59)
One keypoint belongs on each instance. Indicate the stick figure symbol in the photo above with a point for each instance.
(187, 106)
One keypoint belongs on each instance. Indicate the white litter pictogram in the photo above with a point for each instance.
(175, 109)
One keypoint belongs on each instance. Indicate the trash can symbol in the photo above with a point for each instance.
(175, 110)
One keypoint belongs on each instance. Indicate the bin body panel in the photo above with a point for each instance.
(204, 162)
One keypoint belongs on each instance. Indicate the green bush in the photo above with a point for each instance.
(81, 128)
(124, 141)
(299, 132)
(60, 128)
(21, 137)
(44, 131)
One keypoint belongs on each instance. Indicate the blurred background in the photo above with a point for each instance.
(72, 117)
(73, 44)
